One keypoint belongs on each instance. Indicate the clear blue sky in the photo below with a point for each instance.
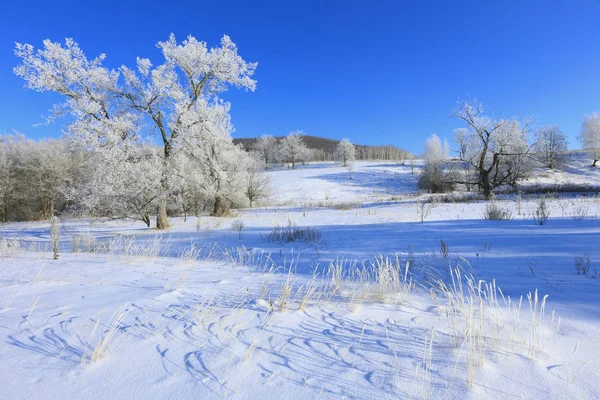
(377, 72)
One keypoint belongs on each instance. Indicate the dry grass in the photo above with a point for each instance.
(481, 319)
(98, 345)
(293, 233)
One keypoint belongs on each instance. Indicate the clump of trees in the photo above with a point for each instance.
(36, 177)
(119, 117)
(39, 179)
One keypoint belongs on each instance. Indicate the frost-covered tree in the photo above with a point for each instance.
(435, 151)
(435, 178)
(113, 106)
(292, 148)
(550, 145)
(267, 147)
(590, 136)
(496, 149)
(345, 152)
(517, 160)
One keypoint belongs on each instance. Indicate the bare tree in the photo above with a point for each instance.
(550, 144)
(257, 181)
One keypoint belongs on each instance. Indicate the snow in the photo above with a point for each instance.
(212, 325)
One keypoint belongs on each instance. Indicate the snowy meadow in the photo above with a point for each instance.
(343, 283)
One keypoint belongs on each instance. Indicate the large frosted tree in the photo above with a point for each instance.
(173, 99)
(498, 150)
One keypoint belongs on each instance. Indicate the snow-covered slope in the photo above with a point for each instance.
(576, 169)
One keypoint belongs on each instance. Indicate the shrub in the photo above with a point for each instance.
(424, 209)
(435, 180)
(582, 264)
(581, 212)
(239, 227)
(542, 212)
(494, 212)
(348, 205)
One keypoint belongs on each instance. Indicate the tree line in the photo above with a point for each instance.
(321, 149)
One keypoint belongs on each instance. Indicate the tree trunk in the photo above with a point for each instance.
(146, 219)
(161, 219)
(44, 208)
(485, 184)
(220, 207)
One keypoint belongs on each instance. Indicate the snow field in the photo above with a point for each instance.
(381, 306)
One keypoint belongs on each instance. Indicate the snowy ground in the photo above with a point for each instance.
(204, 311)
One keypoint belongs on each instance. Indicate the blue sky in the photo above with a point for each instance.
(377, 72)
